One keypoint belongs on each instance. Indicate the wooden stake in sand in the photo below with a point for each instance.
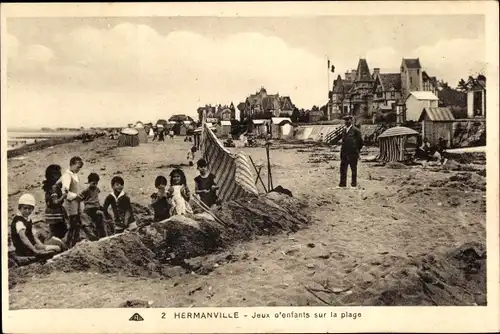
(269, 172)
(258, 174)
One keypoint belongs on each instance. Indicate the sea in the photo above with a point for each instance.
(20, 138)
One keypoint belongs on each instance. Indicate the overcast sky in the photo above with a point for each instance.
(112, 71)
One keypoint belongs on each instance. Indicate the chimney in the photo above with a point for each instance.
(376, 71)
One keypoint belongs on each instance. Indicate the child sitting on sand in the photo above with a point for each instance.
(92, 209)
(179, 193)
(159, 202)
(55, 214)
(23, 236)
(205, 185)
(121, 207)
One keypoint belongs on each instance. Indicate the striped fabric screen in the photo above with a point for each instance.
(233, 172)
(334, 136)
(392, 148)
(127, 140)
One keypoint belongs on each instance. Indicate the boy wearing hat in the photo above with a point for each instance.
(352, 142)
(92, 210)
(24, 239)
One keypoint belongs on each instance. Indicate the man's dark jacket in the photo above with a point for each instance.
(352, 142)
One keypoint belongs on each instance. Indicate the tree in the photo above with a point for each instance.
(295, 115)
(462, 86)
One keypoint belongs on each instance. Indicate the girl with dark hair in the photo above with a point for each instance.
(55, 214)
(179, 193)
(159, 201)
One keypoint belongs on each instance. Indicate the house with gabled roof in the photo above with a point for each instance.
(262, 103)
(364, 94)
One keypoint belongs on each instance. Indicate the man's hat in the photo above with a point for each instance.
(347, 118)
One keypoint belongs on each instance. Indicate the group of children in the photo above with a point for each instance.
(64, 197)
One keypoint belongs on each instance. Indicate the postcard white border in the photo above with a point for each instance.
(387, 319)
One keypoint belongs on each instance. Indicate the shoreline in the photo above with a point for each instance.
(39, 146)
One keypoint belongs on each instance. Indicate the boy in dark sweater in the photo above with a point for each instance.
(93, 210)
(205, 185)
(121, 207)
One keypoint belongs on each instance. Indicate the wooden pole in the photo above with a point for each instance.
(269, 171)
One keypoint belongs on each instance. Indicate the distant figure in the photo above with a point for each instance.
(155, 133)
(352, 142)
(161, 135)
(171, 134)
(190, 155)
(321, 137)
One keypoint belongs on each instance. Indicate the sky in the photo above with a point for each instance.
(97, 71)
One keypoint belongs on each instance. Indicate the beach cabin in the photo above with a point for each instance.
(142, 134)
(259, 127)
(436, 123)
(224, 128)
(281, 127)
(417, 101)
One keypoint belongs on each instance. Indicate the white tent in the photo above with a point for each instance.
(143, 136)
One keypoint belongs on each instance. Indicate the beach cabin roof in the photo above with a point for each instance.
(437, 114)
(258, 121)
(139, 124)
(420, 95)
(172, 122)
(225, 123)
(398, 131)
(129, 132)
(278, 120)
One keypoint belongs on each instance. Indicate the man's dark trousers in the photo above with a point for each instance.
(347, 160)
(352, 142)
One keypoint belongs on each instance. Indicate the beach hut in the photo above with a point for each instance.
(437, 123)
(259, 127)
(281, 127)
(392, 143)
(224, 129)
(142, 134)
(128, 137)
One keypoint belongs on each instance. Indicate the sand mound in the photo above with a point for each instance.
(457, 277)
(462, 181)
(179, 238)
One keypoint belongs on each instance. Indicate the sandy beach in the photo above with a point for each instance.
(362, 246)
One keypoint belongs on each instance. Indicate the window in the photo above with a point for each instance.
(393, 95)
(411, 80)
(418, 71)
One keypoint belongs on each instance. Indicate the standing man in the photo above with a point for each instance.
(352, 142)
